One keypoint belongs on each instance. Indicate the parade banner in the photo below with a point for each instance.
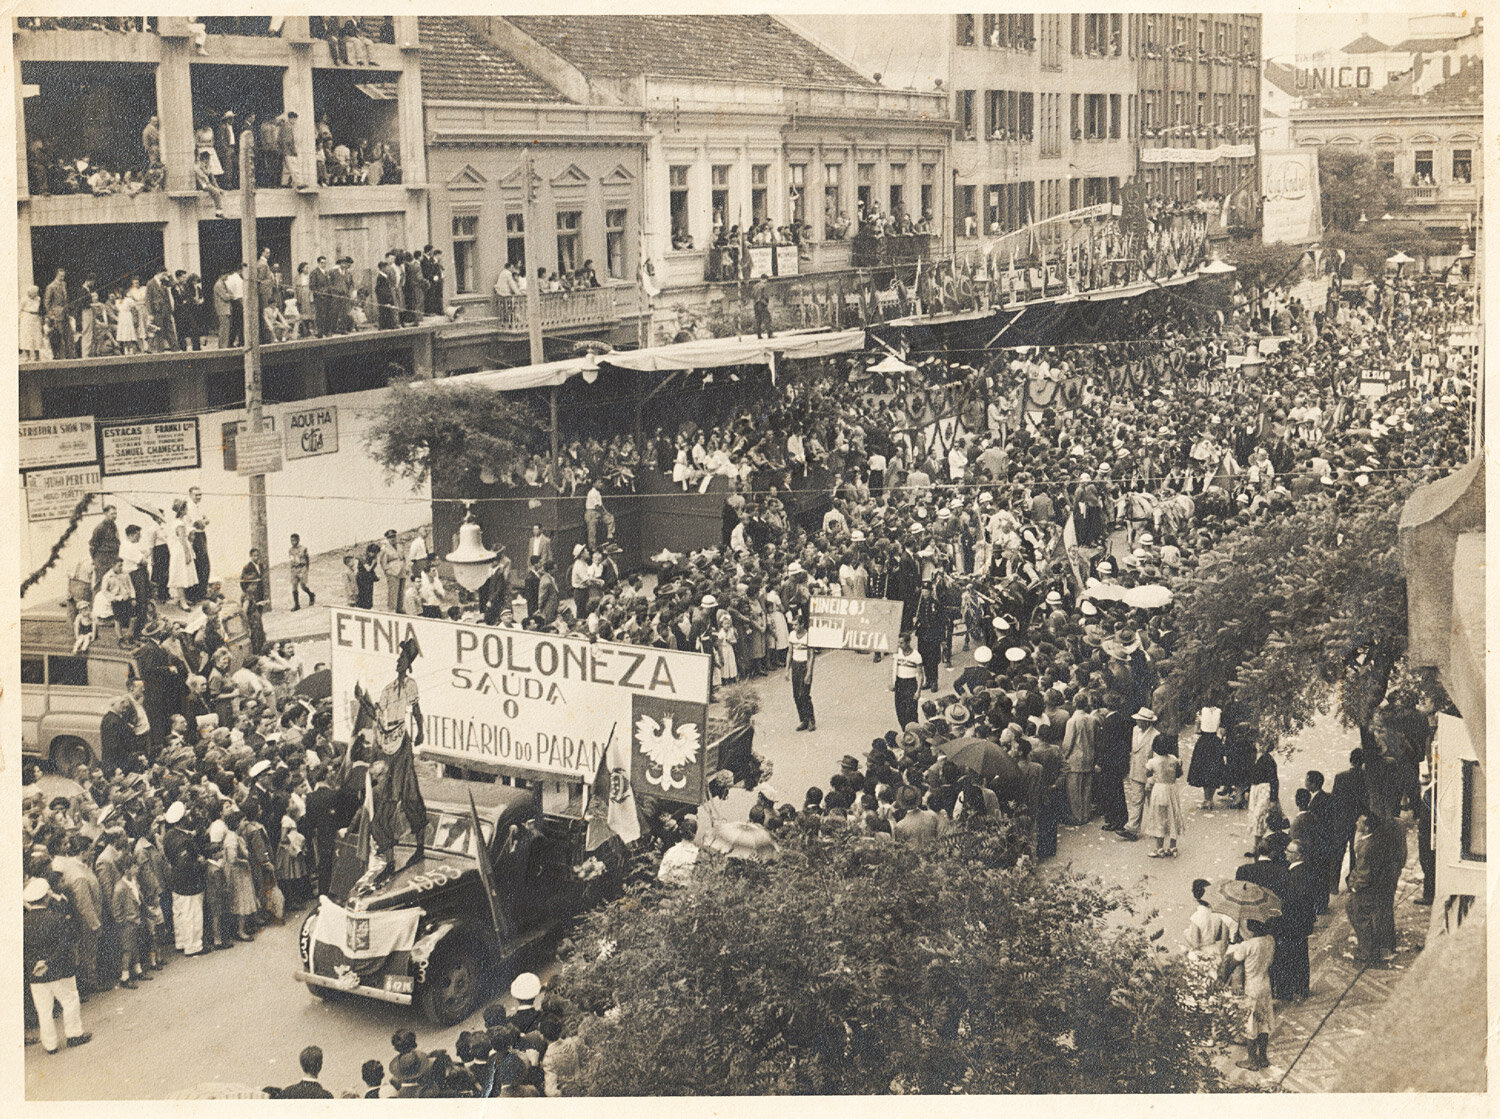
(52, 495)
(531, 703)
(149, 446)
(865, 625)
(1292, 213)
(62, 442)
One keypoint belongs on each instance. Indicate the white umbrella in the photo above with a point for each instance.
(1150, 596)
(892, 364)
(1400, 258)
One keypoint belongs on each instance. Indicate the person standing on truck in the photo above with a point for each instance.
(397, 727)
(104, 544)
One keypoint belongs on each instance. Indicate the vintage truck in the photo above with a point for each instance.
(428, 936)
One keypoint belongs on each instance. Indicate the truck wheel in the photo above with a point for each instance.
(304, 947)
(453, 986)
(68, 753)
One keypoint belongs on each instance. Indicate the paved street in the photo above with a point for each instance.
(275, 1016)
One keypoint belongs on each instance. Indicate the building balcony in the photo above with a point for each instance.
(1421, 195)
(561, 310)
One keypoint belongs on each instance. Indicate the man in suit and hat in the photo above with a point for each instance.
(1142, 741)
(393, 570)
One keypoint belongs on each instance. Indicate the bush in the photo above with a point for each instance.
(848, 965)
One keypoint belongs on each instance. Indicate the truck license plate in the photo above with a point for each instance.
(398, 984)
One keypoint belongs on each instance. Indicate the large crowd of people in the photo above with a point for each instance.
(179, 311)
(1022, 533)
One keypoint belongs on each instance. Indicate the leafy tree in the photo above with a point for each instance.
(1259, 266)
(1353, 184)
(1283, 612)
(456, 431)
(848, 965)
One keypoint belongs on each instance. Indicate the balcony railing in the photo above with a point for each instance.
(560, 309)
(1421, 195)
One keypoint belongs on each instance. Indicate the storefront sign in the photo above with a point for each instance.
(867, 625)
(311, 431)
(57, 442)
(145, 447)
(257, 452)
(531, 703)
(762, 261)
(52, 495)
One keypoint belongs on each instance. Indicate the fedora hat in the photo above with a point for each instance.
(409, 1067)
(958, 715)
(848, 761)
(1144, 715)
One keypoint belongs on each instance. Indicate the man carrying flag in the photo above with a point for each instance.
(395, 723)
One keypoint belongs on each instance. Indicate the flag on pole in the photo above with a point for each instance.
(503, 927)
(611, 808)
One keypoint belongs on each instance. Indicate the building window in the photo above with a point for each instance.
(1095, 116)
(833, 195)
(898, 187)
(1472, 826)
(465, 264)
(515, 240)
(719, 199)
(760, 178)
(677, 177)
(1463, 165)
(614, 243)
(1114, 116)
(1422, 167)
(964, 110)
(1077, 37)
(1202, 109)
(965, 220)
(964, 31)
(569, 223)
(797, 183)
(865, 188)
(1116, 25)
(1075, 119)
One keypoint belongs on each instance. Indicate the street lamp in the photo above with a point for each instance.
(471, 559)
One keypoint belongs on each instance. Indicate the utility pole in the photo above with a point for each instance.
(534, 304)
(249, 250)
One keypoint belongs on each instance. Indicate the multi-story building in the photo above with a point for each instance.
(1055, 111)
(1200, 120)
(1430, 143)
(486, 117)
(88, 91)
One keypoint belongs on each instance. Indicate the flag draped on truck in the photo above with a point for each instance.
(354, 946)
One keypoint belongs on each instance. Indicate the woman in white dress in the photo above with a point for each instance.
(31, 325)
(203, 141)
(181, 572)
(127, 332)
(1163, 817)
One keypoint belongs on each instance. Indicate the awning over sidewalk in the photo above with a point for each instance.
(703, 353)
(1442, 553)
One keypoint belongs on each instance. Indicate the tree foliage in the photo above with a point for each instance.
(848, 965)
(1354, 185)
(1259, 266)
(456, 431)
(1285, 612)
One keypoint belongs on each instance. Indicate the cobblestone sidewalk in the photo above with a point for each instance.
(1313, 1038)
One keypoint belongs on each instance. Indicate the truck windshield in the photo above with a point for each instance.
(454, 832)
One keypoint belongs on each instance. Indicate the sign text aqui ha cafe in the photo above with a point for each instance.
(536, 702)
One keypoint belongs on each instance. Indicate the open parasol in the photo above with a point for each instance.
(1243, 900)
(316, 685)
(981, 756)
(891, 364)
